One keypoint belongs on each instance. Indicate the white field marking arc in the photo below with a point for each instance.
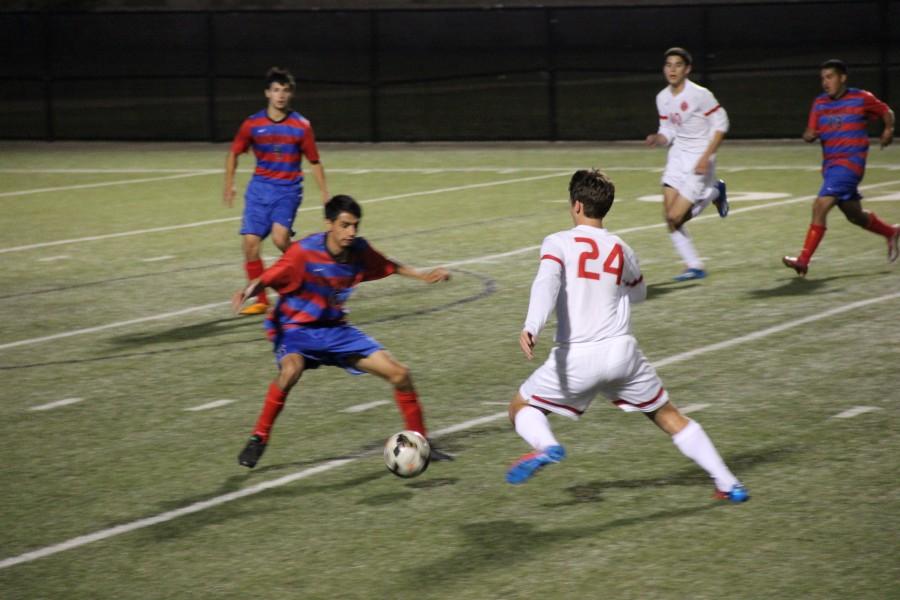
(209, 405)
(54, 258)
(856, 410)
(358, 408)
(333, 464)
(476, 260)
(83, 186)
(56, 404)
(308, 208)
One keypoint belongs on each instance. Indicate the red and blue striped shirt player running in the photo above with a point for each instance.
(839, 120)
(308, 325)
(280, 138)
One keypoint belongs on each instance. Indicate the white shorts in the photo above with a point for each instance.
(679, 174)
(573, 375)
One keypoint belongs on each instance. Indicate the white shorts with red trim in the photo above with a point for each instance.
(574, 374)
(680, 175)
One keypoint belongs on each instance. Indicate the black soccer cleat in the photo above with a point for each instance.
(252, 452)
(438, 455)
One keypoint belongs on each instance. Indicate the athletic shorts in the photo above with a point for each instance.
(267, 203)
(679, 174)
(840, 183)
(333, 345)
(574, 374)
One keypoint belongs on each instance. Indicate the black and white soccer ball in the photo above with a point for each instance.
(407, 453)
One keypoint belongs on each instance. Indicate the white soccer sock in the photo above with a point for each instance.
(685, 248)
(533, 426)
(711, 195)
(696, 445)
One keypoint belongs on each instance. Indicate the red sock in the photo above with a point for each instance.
(408, 403)
(254, 269)
(813, 236)
(878, 226)
(275, 398)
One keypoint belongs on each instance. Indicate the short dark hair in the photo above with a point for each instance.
(836, 64)
(676, 51)
(279, 75)
(342, 204)
(594, 190)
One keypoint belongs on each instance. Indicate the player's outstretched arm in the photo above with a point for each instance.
(318, 172)
(887, 136)
(240, 296)
(430, 276)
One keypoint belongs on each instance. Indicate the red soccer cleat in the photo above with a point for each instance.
(793, 263)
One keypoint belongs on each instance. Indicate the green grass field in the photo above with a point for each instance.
(117, 263)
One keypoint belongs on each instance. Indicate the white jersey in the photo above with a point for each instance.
(689, 119)
(590, 277)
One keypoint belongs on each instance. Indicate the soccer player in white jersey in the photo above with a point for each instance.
(591, 277)
(692, 124)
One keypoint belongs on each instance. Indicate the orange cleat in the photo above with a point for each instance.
(257, 308)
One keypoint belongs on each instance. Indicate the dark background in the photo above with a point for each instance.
(472, 73)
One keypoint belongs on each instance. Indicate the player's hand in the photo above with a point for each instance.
(237, 300)
(325, 197)
(228, 196)
(436, 275)
(702, 166)
(527, 342)
(810, 135)
(653, 140)
(887, 137)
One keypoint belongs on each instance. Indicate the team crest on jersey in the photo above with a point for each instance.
(684, 106)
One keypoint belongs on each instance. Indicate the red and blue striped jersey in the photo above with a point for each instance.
(314, 287)
(841, 126)
(279, 146)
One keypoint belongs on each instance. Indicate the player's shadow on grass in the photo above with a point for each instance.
(802, 286)
(690, 476)
(663, 288)
(194, 331)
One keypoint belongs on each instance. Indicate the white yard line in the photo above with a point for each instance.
(693, 408)
(333, 464)
(358, 408)
(158, 258)
(209, 405)
(57, 404)
(308, 208)
(84, 186)
(856, 410)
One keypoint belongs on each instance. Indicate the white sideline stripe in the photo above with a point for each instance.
(158, 258)
(693, 408)
(209, 405)
(308, 208)
(54, 258)
(856, 410)
(333, 464)
(158, 317)
(83, 186)
(57, 404)
(358, 408)
(774, 329)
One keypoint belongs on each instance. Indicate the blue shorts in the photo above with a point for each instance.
(267, 203)
(840, 183)
(334, 345)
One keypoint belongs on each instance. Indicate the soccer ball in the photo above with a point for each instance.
(407, 453)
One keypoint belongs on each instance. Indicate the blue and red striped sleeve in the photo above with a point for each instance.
(286, 275)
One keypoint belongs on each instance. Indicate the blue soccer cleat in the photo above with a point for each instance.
(531, 463)
(737, 494)
(722, 201)
(690, 274)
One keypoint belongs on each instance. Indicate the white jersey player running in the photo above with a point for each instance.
(693, 124)
(591, 277)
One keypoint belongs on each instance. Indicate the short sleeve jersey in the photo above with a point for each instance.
(279, 146)
(597, 268)
(689, 119)
(841, 126)
(314, 287)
